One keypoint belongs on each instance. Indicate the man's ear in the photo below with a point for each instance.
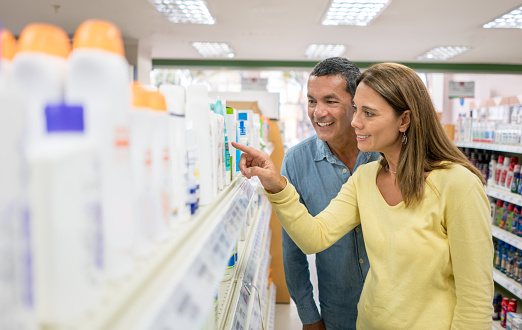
(405, 121)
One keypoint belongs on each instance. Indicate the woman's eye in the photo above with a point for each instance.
(368, 114)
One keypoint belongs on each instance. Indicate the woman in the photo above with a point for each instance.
(423, 209)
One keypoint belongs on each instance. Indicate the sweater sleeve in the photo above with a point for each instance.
(468, 224)
(315, 234)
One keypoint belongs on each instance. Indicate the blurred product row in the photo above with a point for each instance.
(96, 170)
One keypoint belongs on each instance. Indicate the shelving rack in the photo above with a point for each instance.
(509, 284)
(173, 288)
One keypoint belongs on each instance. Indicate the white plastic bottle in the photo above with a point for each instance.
(193, 191)
(7, 51)
(16, 263)
(98, 80)
(175, 99)
(141, 160)
(219, 110)
(65, 209)
(198, 112)
(38, 71)
(232, 137)
(160, 163)
(243, 133)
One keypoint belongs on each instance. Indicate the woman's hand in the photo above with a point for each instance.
(256, 163)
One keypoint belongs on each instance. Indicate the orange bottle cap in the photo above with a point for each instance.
(99, 34)
(157, 101)
(140, 96)
(7, 45)
(44, 38)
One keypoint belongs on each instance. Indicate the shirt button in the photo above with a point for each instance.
(345, 170)
(357, 229)
(361, 261)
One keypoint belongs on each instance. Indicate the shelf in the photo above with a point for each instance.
(271, 306)
(507, 237)
(497, 326)
(504, 195)
(512, 286)
(517, 149)
(234, 304)
(174, 287)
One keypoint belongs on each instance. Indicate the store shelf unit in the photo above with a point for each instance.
(508, 283)
(173, 288)
(491, 146)
(504, 195)
(239, 299)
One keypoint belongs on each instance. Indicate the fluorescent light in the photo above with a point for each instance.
(185, 11)
(443, 52)
(511, 20)
(213, 49)
(324, 51)
(353, 12)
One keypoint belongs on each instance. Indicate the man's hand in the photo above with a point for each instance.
(319, 325)
(256, 163)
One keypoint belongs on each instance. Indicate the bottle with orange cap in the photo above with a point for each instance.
(16, 296)
(7, 51)
(141, 164)
(98, 80)
(160, 163)
(38, 71)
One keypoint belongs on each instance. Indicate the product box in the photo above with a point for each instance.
(513, 321)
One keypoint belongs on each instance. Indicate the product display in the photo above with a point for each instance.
(106, 181)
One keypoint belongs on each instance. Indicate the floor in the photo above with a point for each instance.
(286, 317)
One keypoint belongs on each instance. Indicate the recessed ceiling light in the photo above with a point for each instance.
(511, 20)
(185, 11)
(213, 49)
(353, 12)
(443, 52)
(324, 51)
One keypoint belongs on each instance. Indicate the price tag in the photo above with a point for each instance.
(240, 315)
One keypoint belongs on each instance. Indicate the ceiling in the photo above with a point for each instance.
(280, 30)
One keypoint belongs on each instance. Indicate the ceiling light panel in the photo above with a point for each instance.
(356, 12)
(213, 49)
(185, 11)
(443, 52)
(511, 20)
(316, 51)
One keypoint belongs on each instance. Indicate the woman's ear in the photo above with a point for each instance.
(405, 120)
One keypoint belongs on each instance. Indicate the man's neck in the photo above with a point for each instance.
(346, 152)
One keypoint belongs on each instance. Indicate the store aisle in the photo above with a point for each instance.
(286, 317)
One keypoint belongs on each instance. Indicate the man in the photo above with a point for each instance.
(318, 167)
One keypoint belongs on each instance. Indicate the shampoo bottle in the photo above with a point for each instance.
(98, 80)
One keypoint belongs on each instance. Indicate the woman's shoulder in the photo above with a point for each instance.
(455, 176)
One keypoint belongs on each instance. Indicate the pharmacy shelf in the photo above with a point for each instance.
(512, 286)
(271, 306)
(504, 195)
(174, 286)
(497, 326)
(490, 146)
(507, 237)
(234, 301)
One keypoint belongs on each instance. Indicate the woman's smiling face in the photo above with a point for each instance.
(376, 125)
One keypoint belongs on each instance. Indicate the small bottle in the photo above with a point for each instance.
(509, 176)
(503, 172)
(510, 216)
(515, 220)
(510, 262)
(503, 261)
(498, 169)
(497, 307)
(503, 219)
(498, 255)
(505, 303)
(498, 212)
(516, 179)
